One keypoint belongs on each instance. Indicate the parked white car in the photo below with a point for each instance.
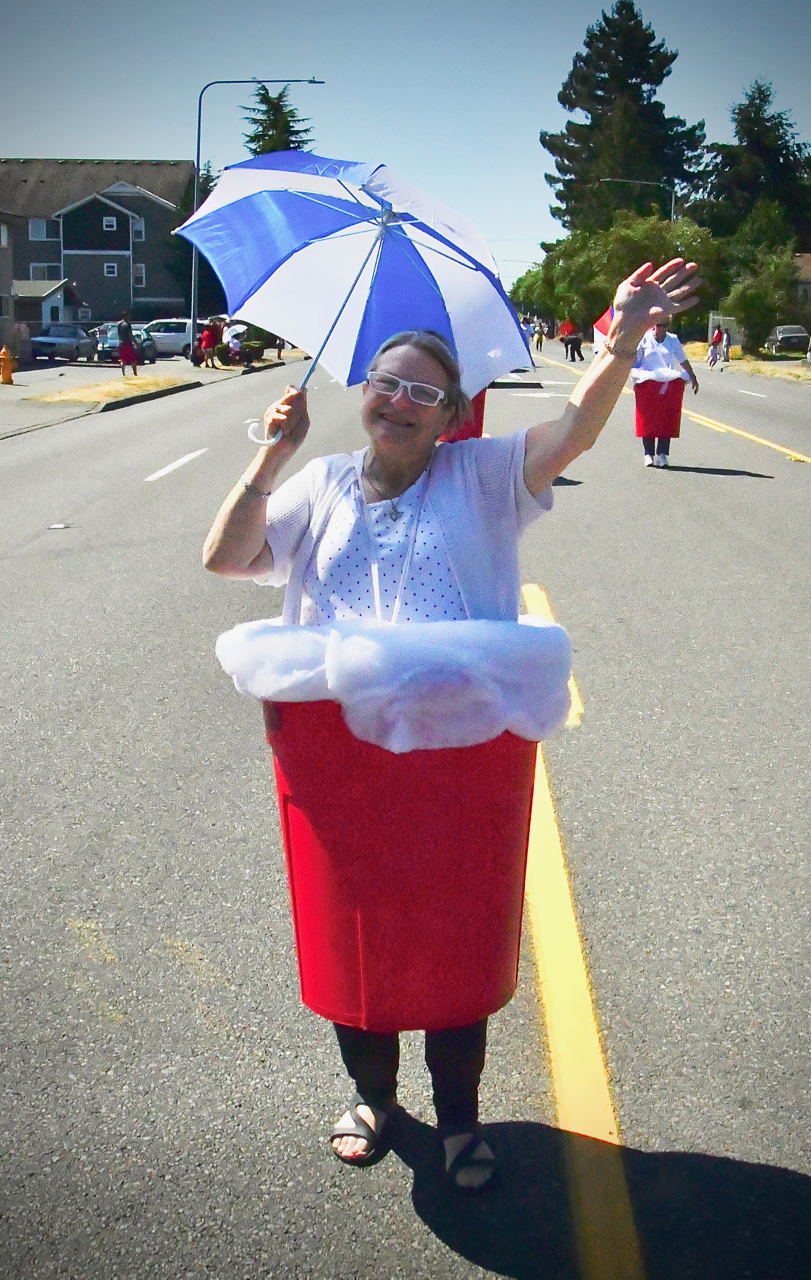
(172, 337)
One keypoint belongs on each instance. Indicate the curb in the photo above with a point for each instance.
(125, 401)
(43, 426)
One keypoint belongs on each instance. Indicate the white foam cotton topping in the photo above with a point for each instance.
(415, 686)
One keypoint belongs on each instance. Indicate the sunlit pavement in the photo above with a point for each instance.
(167, 1098)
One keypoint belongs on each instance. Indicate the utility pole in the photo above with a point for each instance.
(195, 265)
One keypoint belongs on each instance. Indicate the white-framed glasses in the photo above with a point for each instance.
(385, 384)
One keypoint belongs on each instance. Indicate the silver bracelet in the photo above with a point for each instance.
(612, 351)
(251, 488)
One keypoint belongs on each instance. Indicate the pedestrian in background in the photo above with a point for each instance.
(576, 347)
(659, 373)
(126, 346)
(539, 337)
(725, 346)
(714, 348)
(208, 342)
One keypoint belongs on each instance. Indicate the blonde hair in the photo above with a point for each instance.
(434, 345)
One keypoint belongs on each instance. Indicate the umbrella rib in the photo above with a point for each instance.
(475, 263)
(354, 196)
(371, 214)
(420, 266)
(377, 243)
(463, 260)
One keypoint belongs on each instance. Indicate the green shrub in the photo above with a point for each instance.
(222, 353)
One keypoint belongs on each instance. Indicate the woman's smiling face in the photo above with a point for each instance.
(398, 428)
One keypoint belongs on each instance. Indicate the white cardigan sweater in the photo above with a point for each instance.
(477, 496)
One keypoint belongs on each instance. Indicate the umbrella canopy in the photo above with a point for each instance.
(338, 256)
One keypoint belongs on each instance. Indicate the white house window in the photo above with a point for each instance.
(43, 229)
(110, 224)
(138, 275)
(44, 271)
(3, 236)
(138, 230)
(111, 269)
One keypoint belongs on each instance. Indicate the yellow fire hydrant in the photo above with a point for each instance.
(7, 366)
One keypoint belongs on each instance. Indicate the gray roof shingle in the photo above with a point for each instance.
(36, 188)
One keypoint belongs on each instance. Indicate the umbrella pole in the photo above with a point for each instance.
(317, 357)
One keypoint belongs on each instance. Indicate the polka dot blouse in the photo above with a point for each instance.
(338, 580)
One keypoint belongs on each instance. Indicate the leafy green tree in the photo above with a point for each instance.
(579, 275)
(626, 134)
(764, 296)
(275, 123)
(767, 227)
(210, 296)
(766, 162)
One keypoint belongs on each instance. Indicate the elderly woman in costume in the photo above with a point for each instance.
(423, 531)
(660, 371)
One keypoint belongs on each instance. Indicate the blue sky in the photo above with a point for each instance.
(450, 93)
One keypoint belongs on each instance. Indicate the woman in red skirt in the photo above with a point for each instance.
(659, 375)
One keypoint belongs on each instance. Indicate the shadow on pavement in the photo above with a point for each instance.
(698, 1217)
(718, 471)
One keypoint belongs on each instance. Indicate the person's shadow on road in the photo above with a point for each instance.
(697, 1217)
(718, 471)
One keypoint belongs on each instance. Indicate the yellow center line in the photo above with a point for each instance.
(607, 1242)
(536, 602)
(724, 426)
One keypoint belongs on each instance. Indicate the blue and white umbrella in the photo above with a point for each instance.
(337, 256)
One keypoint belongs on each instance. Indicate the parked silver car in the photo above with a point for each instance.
(69, 341)
(107, 344)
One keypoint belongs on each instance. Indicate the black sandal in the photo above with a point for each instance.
(464, 1160)
(376, 1147)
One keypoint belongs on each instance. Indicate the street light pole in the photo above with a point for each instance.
(641, 182)
(196, 199)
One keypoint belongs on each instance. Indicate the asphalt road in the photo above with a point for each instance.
(166, 1097)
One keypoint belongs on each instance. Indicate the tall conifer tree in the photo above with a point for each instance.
(765, 163)
(275, 124)
(626, 134)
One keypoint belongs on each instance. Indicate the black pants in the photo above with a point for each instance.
(455, 1059)
(649, 444)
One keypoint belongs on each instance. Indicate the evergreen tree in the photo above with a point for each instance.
(627, 134)
(275, 124)
(211, 296)
(765, 163)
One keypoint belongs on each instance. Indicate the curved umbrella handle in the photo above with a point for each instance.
(254, 422)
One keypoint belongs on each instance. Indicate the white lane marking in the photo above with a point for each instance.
(173, 466)
(759, 394)
(541, 395)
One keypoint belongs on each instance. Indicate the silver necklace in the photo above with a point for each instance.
(394, 511)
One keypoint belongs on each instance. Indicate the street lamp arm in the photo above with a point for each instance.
(645, 182)
(196, 196)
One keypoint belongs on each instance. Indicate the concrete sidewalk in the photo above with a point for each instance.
(27, 404)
